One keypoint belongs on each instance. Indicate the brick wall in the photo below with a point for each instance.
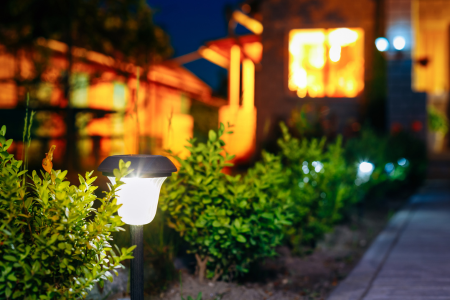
(406, 110)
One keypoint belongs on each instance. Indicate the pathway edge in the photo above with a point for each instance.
(356, 285)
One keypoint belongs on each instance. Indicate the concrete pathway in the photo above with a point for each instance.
(410, 259)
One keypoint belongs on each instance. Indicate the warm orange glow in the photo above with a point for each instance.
(342, 37)
(326, 62)
(431, 49)
(214, 57)
(234, 75)
(103, 91)
(253, 51)
(249, 23)
(248, 83)
(100, 95)
(335, 53)
(178, 129)
(8, 95)
(242, 142)
(307, 58)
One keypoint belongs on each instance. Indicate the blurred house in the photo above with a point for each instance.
(349, 61)
(111, 108)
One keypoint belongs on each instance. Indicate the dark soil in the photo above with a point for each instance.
(286, 276)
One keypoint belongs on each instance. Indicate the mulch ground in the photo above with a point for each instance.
(286, 276)
(292, 277)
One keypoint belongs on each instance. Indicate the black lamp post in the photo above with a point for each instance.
(139, 199)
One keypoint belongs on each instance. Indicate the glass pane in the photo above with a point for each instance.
(326, 62)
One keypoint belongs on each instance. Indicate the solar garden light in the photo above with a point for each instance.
(139, 198)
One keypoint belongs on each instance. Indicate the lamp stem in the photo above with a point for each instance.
(137, 263)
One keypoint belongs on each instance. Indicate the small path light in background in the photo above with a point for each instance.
(389, 168)
(399, 43)
(365, 169)
(403, 162)
(382, 44)
(139, 199)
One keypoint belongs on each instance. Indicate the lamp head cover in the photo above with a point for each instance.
(143, 165)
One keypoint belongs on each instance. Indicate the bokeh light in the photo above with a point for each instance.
(399, 43)
(382, 44)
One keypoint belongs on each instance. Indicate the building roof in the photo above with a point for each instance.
(251, 45)
(169, 74)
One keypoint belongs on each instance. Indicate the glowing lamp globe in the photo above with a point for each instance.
(365, 170)
(382, 44)
(366, 167)
(139, 195)
(399, 43)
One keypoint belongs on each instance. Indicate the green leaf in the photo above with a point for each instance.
(241, 238)
(267, 216)
(7, 144)
(17, 294)
(8, 292)
(12, 277)
(199, 296)
(9, 257)
(109, 276)
(212, 135)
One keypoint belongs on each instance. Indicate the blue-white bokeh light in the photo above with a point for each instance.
(403, 162)
(389, 167)
(318, 166)
(399, 43)
(365, 170)
(365, 167)
(382, 44)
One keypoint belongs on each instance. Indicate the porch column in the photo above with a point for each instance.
(248, 82)
(234, 76)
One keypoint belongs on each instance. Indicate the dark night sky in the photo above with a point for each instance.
(191, 23)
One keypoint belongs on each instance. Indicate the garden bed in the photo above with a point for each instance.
(289, 276)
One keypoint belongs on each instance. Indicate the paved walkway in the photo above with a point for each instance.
(410, 259)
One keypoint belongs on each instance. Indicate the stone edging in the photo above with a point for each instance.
(359, 281)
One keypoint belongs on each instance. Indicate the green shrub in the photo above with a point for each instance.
(321, 184)
(385, 152)
(227, 221)
(370, 147)
(437, 121)
(54, 244)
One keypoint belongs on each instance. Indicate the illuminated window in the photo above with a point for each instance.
(326, 62)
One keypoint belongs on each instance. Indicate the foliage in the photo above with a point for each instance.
(306, 121)
(205, 117)
(199, 297)
(437, 121)
(404, 145)
(321, 184)
(54, 244)
(385, 153)
(228, 221)
(122, 29)
(370, 147)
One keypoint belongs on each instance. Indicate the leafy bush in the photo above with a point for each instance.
(321, 184)
(227, 221)
(387, 153)
(437, 121)
(373, 148)
(54, 244)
